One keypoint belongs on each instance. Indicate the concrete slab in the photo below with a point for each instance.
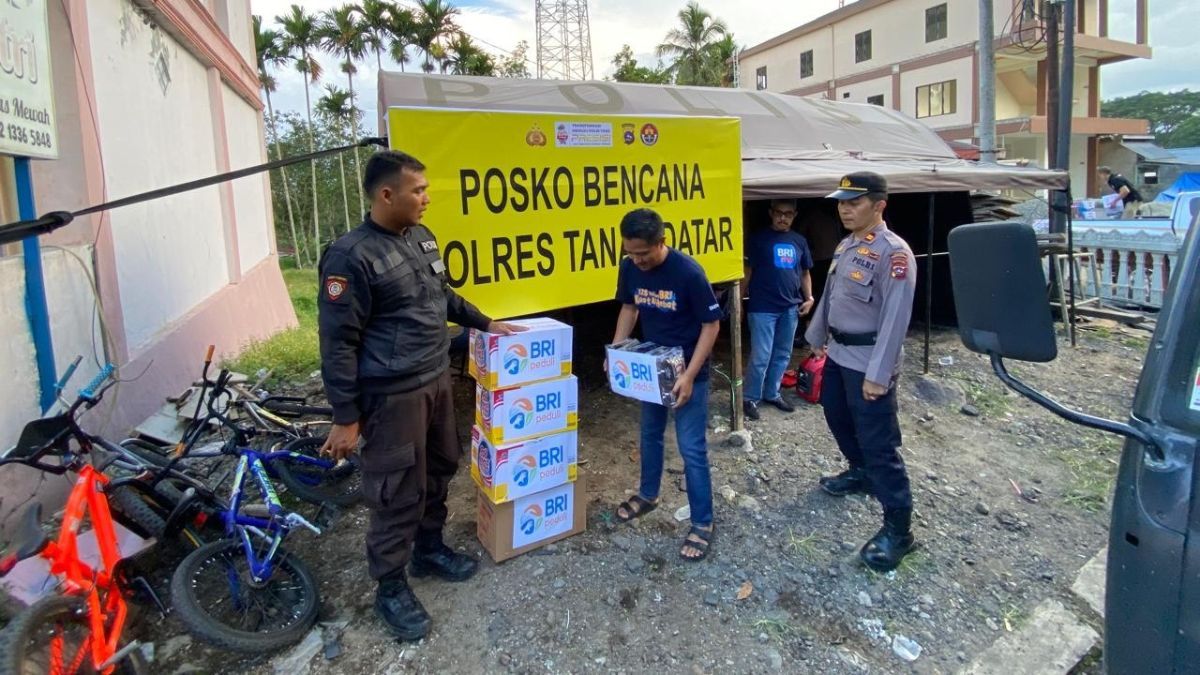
(1089, 585)
(1051, 642)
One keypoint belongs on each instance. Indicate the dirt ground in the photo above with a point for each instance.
(1010, 502)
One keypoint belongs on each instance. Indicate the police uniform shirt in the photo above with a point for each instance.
(870, 290)
(1117, 181)
(382, 310)
(778, 261)
(672, 300)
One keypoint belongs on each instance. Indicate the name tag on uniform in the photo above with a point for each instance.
(438, 266)
(428, 246)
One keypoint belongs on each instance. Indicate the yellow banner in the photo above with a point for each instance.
(527, 206)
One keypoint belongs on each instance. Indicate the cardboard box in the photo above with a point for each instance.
(514, 470)
(644, 370)
(512, 528)
(527, 411)
(502, 361)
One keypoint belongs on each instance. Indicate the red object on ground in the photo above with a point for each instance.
(809, 377)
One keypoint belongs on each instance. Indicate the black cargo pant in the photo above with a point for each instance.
(867, 433)
(410, 453)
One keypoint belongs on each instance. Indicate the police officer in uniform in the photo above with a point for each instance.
(860, 325)
(383, 306)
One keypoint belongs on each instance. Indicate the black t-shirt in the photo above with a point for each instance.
(1117, 181)
(672, 299)
(777, 262)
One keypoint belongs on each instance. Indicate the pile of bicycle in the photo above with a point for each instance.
(212, 497)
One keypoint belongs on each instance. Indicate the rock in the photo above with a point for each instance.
(683, 513)
(712, 599)
(969, 410)
(864, 599)
(938, 393)
(559, 584)
(991, 624)
(926, 600)
(729, 494)
(622, 542)
(849, 546)
(296, 660)
(740, 439)
(906, 648)
(505, 658)
(748, 502)
(775, 659)
(635, 565)
(982, 509)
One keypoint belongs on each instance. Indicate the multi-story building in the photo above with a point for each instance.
(921, 57)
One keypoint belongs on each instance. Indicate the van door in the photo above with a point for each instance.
(1152, 602)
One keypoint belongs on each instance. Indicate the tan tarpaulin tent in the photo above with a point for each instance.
(791, 146)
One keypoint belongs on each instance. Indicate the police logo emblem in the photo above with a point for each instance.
(628, 135)
(649, 134)
(845, 183)
(535, 137)
(335, 287)
(857, 275)
(899, 265)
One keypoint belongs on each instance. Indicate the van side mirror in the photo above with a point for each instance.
(1000, 292)
(1003, 311)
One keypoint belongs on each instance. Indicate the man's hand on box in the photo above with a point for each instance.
(682, 390)
(505, 328)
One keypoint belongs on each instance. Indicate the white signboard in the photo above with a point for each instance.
(27, 126)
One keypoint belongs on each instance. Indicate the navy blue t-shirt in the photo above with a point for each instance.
(777, 263)
(672, 299)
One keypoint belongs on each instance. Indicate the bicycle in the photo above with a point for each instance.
(78, 629)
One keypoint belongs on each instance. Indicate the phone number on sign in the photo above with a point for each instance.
(20, 134)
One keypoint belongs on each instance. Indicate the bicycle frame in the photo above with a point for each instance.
(250, 465)
(81, 579)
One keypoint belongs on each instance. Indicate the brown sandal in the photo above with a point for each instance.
(636, 507)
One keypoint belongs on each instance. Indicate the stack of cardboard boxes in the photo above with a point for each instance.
(524, 446)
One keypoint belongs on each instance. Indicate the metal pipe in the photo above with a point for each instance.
(987, 84)
(36, 310)
(929, 280)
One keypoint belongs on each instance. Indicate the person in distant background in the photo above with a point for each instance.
(1130, 197)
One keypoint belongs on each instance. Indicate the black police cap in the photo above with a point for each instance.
(859, 183)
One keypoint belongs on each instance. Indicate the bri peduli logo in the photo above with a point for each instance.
(531, 519)
(623, 377)
(515, 359)
(526, 467)
(522, 413)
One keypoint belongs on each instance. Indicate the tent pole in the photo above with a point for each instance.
(737, 415)
(928, 280)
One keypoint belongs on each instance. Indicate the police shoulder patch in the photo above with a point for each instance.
(899, 265)
(427, 246)
(335, 287)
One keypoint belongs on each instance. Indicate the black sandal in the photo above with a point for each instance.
(703, 539)
(636, 507)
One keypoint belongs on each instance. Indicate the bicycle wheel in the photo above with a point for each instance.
(340, 485)
(53, 636)
(214, 596)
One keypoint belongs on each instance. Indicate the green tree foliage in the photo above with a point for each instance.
(1174, 116)
(695, 47)
(628, 69)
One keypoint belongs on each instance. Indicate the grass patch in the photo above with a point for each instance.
(294, 353)
(1136, 343)
(990, 396)
(1093, 470)
(1012, 617)
(776, 629)
(806, 547)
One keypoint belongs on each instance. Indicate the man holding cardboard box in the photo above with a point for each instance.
(383, 306)
(669, 291)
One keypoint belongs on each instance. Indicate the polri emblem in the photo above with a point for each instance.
(335, 287)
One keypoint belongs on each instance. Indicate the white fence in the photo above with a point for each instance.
(1130, 267)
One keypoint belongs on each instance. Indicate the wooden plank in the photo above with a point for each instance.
(1120, 316)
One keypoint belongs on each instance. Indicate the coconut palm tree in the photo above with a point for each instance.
(691, 45)
(722, 54)
(401, 31)
(269, 53)
(300, 38)
(435, 23)
(464, 57)
(341, 33)
(375, 18)
(335, 106)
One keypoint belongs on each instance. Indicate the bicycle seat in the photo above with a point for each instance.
(30, 539)
(40, 433)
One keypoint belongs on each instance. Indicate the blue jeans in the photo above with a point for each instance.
(691, 422)
(771, 337)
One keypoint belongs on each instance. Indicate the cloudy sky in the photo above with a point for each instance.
(500, 24)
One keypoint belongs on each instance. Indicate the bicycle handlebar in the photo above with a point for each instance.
(88, 392)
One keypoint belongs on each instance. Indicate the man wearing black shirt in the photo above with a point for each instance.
(1130, 197)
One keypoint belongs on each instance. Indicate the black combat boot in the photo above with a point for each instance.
(401, 610)
(432, 556)
(893, 541)
(848, 482)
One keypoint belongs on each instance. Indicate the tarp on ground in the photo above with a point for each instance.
(791, 146)
(1186, 182)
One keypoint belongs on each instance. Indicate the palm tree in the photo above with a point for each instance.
(342, 34)
(299, 39)
(722, 55)
(691, 45)
(268, 52)
(436, 22)
(335, 106)
(464, 57)
(402, 31)
(375, 18)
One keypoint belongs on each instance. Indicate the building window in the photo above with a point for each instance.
(937, 99)
(875, 100)
(935, 23)
(760, 78)
(806, 64)
(862, 47)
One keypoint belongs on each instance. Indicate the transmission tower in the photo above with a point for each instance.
(564, 40)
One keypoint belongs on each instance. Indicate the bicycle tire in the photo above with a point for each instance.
(341, 485)
(228, 553)
(30, 626)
